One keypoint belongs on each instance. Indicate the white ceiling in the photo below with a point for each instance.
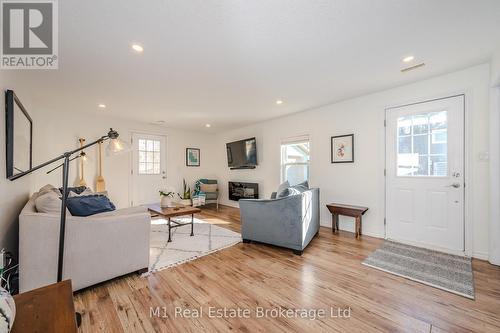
(226, 62)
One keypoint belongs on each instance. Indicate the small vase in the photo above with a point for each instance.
(165, 201)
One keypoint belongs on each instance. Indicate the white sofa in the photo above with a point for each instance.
(97, 248)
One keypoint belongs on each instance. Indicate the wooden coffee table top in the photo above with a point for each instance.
(173, 211)
(46, 309)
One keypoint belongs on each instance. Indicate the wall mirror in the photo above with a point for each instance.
(19, 138)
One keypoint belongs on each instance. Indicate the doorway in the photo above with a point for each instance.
(425, 181)
(149, 162)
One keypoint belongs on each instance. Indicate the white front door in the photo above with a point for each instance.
(149, 174)
(425, 174)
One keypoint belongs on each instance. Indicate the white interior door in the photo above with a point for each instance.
(425, 174)
(149, 161)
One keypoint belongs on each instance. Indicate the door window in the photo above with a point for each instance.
(423, 145)
(149, 157)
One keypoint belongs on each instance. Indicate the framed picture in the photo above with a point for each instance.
(343, 148)
(192, 157)
(19, 134)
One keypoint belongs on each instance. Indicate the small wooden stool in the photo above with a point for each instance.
(346, 210)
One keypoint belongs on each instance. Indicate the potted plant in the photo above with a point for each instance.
(186, 194)
(166, 199)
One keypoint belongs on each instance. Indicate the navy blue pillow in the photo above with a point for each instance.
(89, 205)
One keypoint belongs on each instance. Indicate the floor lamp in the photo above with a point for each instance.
(114, 147)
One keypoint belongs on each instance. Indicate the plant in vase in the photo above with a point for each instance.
(186, 194)
(166, 199)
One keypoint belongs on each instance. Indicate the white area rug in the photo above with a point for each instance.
(208, 238)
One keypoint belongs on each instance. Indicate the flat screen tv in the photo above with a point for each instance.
(242, 154)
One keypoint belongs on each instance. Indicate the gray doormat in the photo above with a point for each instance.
(444, 271)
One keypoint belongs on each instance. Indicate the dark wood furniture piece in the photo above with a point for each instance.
(46, 309)
(171, 212)
(348, 210)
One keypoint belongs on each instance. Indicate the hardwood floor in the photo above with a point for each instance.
(248, 276)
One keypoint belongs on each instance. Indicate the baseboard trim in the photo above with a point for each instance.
(480, 255)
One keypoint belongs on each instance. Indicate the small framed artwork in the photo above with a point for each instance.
(192, 157)
(343, 148)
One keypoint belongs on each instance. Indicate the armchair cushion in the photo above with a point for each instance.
(207, 188)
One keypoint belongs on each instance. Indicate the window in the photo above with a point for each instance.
(423, 145)
(295, 161)
(149, 157)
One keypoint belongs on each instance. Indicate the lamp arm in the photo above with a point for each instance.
(60, 165)
(60, 157)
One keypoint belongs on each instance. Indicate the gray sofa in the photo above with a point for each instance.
(97, 248)
(289, 222)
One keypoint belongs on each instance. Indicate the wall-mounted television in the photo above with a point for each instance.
(242, 154)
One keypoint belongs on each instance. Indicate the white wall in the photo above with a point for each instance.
(57, 132)
(362, 183)
(494, 244)
(495, 68)
(13, 194)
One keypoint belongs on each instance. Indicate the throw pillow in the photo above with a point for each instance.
(77, 189)
(87, 191)
(49, 203)
(89, 205)
(207, 188)
(283, 190)
(299, 188)
(47, 188)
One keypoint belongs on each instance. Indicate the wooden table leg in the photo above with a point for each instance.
(335, 222)
(358, 226)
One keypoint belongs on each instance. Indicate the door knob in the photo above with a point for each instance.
(455, 185)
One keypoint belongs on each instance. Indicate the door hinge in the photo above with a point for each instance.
(385, 172)
(385, 123)
(132, 172)
(385, 221)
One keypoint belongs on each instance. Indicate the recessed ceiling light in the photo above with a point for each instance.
(102, 106)
(208, 125)
(137, 47)
(408, 58)
(279, 102)
(160, 122)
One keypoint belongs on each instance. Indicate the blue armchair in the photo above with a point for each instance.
(290, 222)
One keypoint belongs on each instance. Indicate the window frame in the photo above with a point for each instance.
(146, 151)
(283, 165)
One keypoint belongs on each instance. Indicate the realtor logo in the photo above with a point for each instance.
(29, 34)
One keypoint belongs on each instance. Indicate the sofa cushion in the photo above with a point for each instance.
(283, 190)
(208, 188)
(89, 205)
(48, 202)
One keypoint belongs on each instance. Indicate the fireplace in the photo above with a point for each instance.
(239, 190)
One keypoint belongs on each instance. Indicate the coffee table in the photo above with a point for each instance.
(170, 212)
